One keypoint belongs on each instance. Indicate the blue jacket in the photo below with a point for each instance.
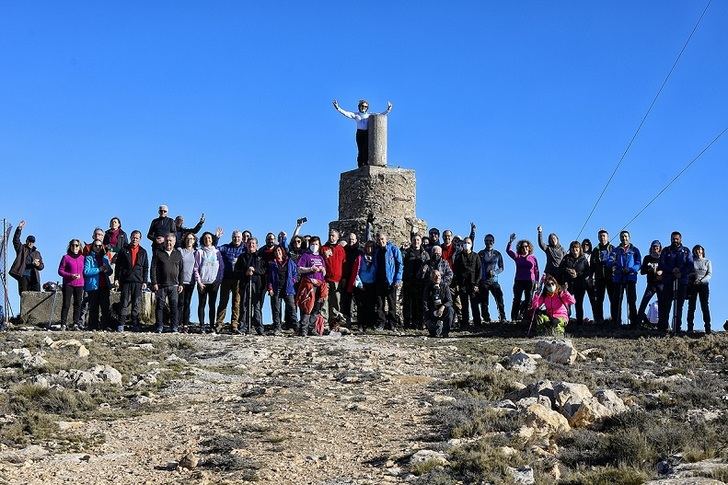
(291, 277)
(393, 262)
(367, 270)
(671, 258)
(625, 263)
(92, 273)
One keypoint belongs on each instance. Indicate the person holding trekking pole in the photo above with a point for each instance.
(251, 269)
(676, 264)
(526, 276)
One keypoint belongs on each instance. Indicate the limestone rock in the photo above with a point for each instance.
(520, 361)
(557, 351)
(189, 461)
(567, 395)
(544, 419)
(428, 455)
(522, 475)
(588, 412)
(611, 401)
(73, 344)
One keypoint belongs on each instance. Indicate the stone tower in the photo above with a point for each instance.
(388, 193)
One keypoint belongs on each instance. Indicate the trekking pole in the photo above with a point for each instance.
(539, 288)
(675, 285)
(250, 302)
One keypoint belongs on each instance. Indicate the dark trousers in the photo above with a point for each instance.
(412, 303)
(277, 302)
(74, 293)
(522, 294)
(183, 303)
(171, 294)
(440, 327)
(131, 295)
(600, 287)
(99, 299)
(366, 305)
(668, 297)
(28, 283)
(208, 296)
(579, 290)
(650, 291)
(701, 291)
(387, 295)
(469, 301)
(362, 145)
(494, 289)
(251, 301)
(630, 288)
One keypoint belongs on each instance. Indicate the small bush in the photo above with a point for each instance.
(608, 476)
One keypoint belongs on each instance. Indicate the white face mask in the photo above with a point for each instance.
(314, 248)
(550, 288)
(468, 246)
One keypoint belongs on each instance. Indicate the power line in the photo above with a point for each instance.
(676, 177)
(644, 118)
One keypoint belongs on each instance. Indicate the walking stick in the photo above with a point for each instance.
(539, 289)
(675, 285)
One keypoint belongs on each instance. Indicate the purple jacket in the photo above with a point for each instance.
(526, 266)
(71, 265)
(309, 260)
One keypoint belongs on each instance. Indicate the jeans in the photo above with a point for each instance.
(98, 299)
(163, 294)
(630, 287)
(229, 285)
(469, 300)
(650, 290)
(701, 291)
(600, 287)
(440, 327)
(493, 288)
(277, 301)
(183, 303)
(522, 294)
(366, 303)
(387, 294)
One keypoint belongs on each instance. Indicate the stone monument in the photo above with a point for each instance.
(388, 193)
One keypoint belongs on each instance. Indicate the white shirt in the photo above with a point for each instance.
(362, 119)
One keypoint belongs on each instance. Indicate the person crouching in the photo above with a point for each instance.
(551, 307)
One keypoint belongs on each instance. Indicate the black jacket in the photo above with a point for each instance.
(166, 268)
(256, 261)
(161, 226)
(467, 269)
(415, 265)
(121, 241)
(649, 268)
(580, 265)
(22, 253)
(599, 262)
(125, 273)
(431, 294)
(443, 267)
(180, 232)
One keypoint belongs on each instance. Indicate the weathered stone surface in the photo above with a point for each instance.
(388, 193)
(36, 307)
(557, 351)
(520, 361)
(546, 420)
(378, 140)
(73, 344)
(428, 455)
(522, 475)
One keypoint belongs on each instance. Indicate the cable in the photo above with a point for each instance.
(644, 118)
(675, 178)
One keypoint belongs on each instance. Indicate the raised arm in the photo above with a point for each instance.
(386, 111)
(540, 239)
(348, 114)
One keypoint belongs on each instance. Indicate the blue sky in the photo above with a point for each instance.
(512, 114)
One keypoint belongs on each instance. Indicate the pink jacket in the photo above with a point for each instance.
(71, 265)
(555, 304)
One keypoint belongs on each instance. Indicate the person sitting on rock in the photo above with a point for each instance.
(312, 290)
(362, 127)
(438, 310)
(551, 307)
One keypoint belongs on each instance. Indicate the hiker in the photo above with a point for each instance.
(312, 290)
(281, 287)
(28, 262)
(187, 250)
(676, 264)
(467, 277)
(230, 284)
(251, 270)
(130, 275)
(335, 257)
(180, 230)
(603, 281)
(71, 270)
(414, 278)
(160, 227)
(625, 261)
(166, 276)
(438, 310)
(526, 276)
(654, 280)
(96, 272)
(208, 272)
(364, 287)
(491, 265)
(551, 307)
(574, 269)
(388, 264)
(586, 250)
(362, 127)
(699, 287)
(554, 253)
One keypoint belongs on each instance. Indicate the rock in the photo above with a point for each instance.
(703, 415)
(47, 341)
(540, 388)
(546, 420)
(440, 399)
(522, 475)
(568, 395)
(34, 362)
(557, 351)
(505, 404)
(69, 425)
(22, 353)
(588, 412)
(106, 373)
(497, 367)
(189, 461)
(611, 401)
(79, 379)
(146, 346)
(142, 400)
(29, 453)
(520, 361)
(428, 455)
(78, 347)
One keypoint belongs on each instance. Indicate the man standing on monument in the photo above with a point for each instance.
(362, 127)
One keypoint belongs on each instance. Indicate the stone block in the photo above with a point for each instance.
(36, 307)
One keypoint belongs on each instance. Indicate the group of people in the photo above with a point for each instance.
(311, 285)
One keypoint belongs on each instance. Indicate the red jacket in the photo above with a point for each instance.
(335, 256)
(448, 254)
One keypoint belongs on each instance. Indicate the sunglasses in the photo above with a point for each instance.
(75, 245)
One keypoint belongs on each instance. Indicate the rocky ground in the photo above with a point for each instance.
(137, 408)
